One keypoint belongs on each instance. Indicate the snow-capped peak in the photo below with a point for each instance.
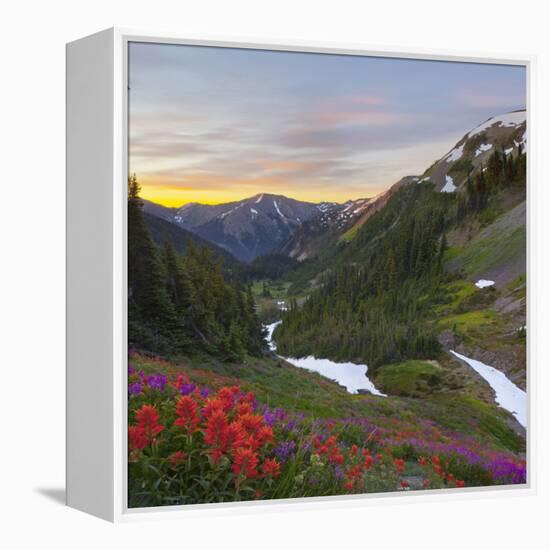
(507, 120)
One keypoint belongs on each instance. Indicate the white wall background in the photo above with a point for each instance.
(32, 268)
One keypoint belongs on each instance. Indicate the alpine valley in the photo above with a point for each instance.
(367, 346)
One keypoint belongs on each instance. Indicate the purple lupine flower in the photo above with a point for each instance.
(187, 389)
(135, 388)
(205, 392)
(156, 381)
(284, 450)
(269, 418)
(289, 425)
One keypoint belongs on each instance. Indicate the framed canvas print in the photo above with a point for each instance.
(296, 274)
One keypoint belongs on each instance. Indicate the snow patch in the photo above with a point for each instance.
(423, 179)
(483, 147)
(449, 187)
(254, 211)
(455, 154)
(508, 151)
(522, 141)
(259, 199)
(222, 216)
(507, 120)
(326, 206)
(507, 394)
(483, 283)
(278, 209)
(350, 375)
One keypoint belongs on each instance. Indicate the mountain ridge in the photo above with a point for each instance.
(247, 228)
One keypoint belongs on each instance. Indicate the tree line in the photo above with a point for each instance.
(183, 304)
(375, 304)
(502, 171)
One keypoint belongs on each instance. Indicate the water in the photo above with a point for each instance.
(350, 375)
(508, 395)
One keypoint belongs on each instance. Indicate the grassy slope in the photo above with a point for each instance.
(484, 323)
(410, 378)
(497, 252)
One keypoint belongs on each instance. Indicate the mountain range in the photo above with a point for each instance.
(269, 223)
(248, 228)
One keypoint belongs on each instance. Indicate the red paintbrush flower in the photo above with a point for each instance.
(228, 395)
(223, 436)
(251, 422)
(399, 464)
(214, 404)
(367, 464)
(215, 428)
(234, 437)
(244, 408)
(270, 468)
(147, 418)
(335, 455)
(245, 462)
(264, 435)
(248, 398)
(354, 473)
(187, 412)
(137, 438)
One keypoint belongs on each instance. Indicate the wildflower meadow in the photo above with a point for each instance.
(189, 443)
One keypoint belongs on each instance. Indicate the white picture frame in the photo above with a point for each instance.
(96, 142)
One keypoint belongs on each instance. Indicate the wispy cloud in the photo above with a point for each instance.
(211, 123)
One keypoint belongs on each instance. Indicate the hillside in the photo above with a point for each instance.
(162, 230)
(506, 133)
(400, 283)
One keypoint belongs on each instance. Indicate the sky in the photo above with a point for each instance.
(215, 125)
